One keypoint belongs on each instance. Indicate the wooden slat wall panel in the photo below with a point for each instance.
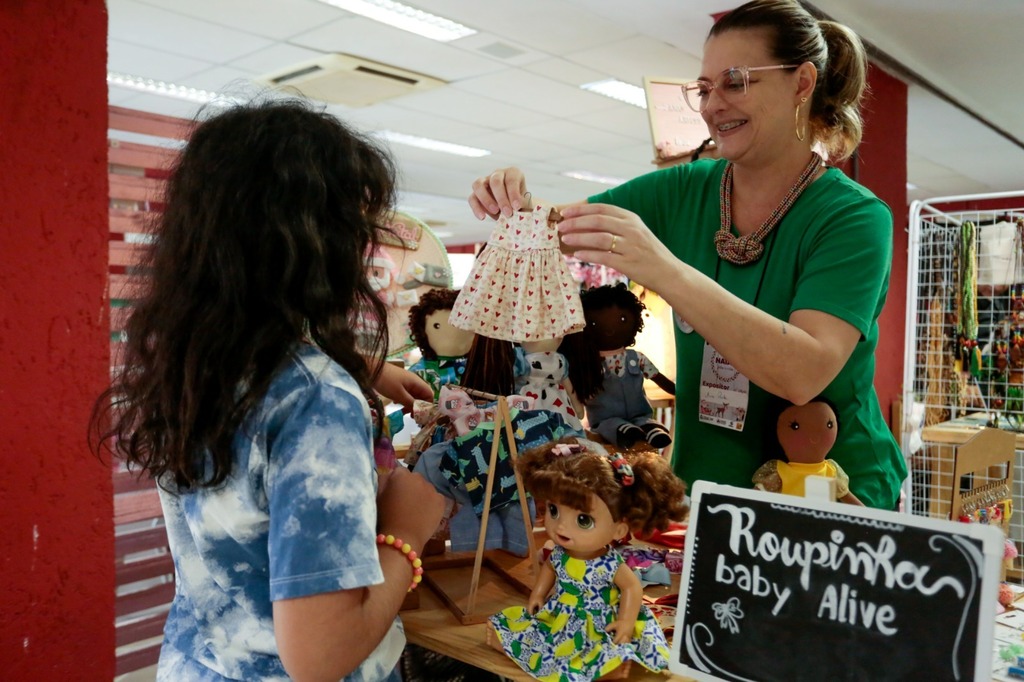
(120, 153)
(137, 660)
(133, 188)
(146, 582)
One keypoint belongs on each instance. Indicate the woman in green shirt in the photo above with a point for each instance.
(776, 266)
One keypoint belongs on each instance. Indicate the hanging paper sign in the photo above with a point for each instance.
(410, 261)
(777, 587)
(676, 129)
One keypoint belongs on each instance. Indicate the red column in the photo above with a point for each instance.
(56, 538)
(881, 166)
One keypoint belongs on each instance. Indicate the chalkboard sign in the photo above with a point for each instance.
(777, 587)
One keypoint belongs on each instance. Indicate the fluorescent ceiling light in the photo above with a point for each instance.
(427, 143)
(406, 18)
(156, 87)
(593, 177)
(616, 89)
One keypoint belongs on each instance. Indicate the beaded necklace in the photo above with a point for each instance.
(748, 248)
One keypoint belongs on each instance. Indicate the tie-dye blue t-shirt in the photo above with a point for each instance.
(296, 517)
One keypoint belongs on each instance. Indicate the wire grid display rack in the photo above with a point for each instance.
(963, 381)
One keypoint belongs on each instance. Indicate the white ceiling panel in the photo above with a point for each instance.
(176, 34)
(513, 87)
(466, 107)
(277, 19)
(571, 133)
(274, 58)
(139, 60)
(371, 40)
(638, 56)
(537, 93)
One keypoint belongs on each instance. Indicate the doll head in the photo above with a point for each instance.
(807, 432)
(614, 316)
(431, 330)
(638, 489)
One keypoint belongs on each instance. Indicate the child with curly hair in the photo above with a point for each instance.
(585, 615)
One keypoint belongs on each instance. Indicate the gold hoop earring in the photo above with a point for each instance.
(799, 135)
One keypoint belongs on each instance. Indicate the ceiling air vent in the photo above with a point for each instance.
(350, 81)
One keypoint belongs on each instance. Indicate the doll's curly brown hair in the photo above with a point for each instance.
(655, 497)
(430, 302)
(617, 295)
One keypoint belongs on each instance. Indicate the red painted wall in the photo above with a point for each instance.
(56, 534)
(882, 168)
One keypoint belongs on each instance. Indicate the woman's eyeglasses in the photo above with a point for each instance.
(730, 84)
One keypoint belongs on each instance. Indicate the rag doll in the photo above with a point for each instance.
(806, 434)
(443, 346)
(585, 615)
(620, 411)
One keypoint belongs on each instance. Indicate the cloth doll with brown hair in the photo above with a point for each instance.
(443, 346)
(620, 411)
(806, 434)
(585, 615)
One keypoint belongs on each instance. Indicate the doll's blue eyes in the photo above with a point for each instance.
(585, 521)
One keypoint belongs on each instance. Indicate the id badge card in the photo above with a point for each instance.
(724, 392)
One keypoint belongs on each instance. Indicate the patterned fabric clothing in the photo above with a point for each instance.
(541, 376)
(296, 517)
(621, 400)
(566, 641)
(615, 362)
(778, 476)
(467, 458)
(440, 372)
(520, 288)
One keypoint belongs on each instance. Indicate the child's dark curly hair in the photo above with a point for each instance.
(430, 302)
(617, 295)
(655, 497)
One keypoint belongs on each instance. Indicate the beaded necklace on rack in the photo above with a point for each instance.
(748, 248)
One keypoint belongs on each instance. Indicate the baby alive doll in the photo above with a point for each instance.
(806, 434)
(585, 615)
(620, 412)
(443, 346)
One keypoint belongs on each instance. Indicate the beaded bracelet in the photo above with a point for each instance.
(406, 549)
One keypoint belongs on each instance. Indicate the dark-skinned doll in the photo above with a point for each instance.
(806, 434)
(620, 411)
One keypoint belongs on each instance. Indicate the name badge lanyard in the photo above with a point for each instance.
(724, 391)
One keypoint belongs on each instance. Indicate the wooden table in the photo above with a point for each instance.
(433, 626)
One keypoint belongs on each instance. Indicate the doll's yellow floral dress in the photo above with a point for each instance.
(566, 641)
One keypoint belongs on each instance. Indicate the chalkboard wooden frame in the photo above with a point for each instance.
(777, 587)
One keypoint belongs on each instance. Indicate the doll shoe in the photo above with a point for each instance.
(657, 436)
(628, 434)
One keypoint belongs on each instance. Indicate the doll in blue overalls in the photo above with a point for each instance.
(620, 411)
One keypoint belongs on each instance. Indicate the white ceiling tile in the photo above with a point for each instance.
(146, 62)
(278, 19)
(465, 106)
(571, 133)
(274, 58)
(391, 117)
(372, 40)
(537, 93)
(631, 59)
(566, 71)
(517, 146)
(633, 122)
(134, 22)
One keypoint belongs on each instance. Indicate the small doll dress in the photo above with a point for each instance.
(520, 288)
(541, 376)
(566, 641)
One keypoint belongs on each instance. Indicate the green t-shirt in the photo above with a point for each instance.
(831, 252)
